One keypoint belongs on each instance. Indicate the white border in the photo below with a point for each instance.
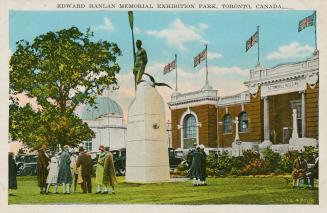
(5, 5)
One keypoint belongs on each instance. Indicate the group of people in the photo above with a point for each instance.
(197, 161)
(70, 169)
(76, 169)
(302, 175)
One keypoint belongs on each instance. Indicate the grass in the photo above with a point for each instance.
(230, 190)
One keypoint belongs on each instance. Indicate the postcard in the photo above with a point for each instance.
(183, 106)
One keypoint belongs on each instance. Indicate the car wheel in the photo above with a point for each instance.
(122, 171)
(28, 171)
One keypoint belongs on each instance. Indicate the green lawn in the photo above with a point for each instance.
(238, 190)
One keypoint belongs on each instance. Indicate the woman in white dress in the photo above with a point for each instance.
(53, 168)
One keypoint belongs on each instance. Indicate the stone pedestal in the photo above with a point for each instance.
(146, 149)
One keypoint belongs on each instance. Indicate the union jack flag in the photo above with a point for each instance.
(200, 57)
(251, 41)
(169, 67)
(307, 21)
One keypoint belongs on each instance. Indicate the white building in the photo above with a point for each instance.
(106, 120)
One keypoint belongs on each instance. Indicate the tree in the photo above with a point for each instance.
(62, 70)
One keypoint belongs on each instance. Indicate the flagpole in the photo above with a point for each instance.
(258, 45)
(316, 29)
(207, 82)
(176, 71)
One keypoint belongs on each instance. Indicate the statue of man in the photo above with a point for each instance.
(141, 60)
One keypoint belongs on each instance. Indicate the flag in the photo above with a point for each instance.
(251, 41)
(307, 21)
(200, 57)
(169, 67)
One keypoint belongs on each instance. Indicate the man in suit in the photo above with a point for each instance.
(85, 162)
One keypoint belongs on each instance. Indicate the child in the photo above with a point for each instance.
(53, 175)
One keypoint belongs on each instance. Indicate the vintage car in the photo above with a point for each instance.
(175, 158)
(119, 156)
(26, 165)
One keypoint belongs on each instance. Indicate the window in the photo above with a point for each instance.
(88, 145)
(227, 123)
(189, 126)
(243, 122)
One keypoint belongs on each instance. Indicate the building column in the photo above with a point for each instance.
(237, 136)
(266, 119)
(303, 113)
(295, 134)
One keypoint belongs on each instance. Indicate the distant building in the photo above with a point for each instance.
(263, 113)
(106, 120)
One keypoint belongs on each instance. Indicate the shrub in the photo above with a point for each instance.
(309, 154)
(235, 171)
(286, 164)
(224, 164)
(255, 167)
(238, 162)
(211, 172)
(212, 161)
(250, 156)
(181, 167)
(271, 159)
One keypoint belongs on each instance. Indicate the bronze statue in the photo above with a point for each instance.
(141, 60)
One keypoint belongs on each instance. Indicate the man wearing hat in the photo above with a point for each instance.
(65, 175)
(85, 162)
(42, 168)
(99, 170)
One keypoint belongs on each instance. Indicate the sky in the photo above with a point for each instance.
(184, 33)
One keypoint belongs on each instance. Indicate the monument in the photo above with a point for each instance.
(147, 147)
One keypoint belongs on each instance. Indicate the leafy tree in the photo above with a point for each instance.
(61, 70)
(271, 158)
(23, 123)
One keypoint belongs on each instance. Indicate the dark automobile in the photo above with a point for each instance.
(119, 156)
(174, 158)
(26, 165)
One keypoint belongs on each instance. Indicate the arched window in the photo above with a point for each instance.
(227, 123)
(189, 126)
(243, 122)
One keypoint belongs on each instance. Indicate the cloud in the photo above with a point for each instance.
(177, 34)
(227, 80)
(212, 55)
(137, 30)
(105, 26)
(291, 51)
(203, 26)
